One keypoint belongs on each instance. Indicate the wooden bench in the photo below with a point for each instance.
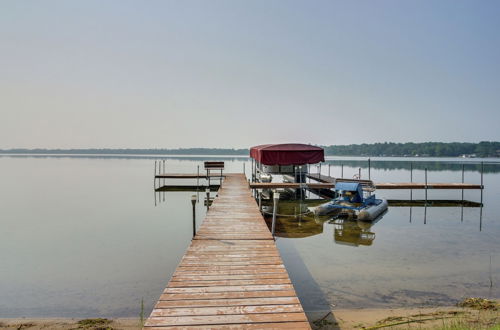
(210, 166)
(214, 165)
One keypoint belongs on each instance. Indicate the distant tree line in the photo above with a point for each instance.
(416, 165)
(426, 149)
(387, 149)
(179, 151)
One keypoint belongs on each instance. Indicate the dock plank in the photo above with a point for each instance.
(202, 175)
(227, 310)
(286, 325)
(225, 319)
(228, 302)
(232, 275)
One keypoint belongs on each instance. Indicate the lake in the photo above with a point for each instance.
(87, 236)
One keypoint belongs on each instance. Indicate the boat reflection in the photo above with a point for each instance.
(296, 221)
(353, 232)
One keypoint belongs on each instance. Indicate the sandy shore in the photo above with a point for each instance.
(68, 323)
(422, 318)
(399, 318)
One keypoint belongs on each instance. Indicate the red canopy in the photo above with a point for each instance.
(287, 154)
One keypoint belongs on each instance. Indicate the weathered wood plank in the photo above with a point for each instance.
(285, 325)
(227, 310)
(207, 271)
(201, 283)
(225, 319)
(207, 267)
(227, 295)
(244, 288)
(204, 277)
(227, 302)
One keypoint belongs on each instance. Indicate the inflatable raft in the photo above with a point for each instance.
(352, 200)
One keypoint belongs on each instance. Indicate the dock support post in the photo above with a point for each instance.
(481, 217)
(276, 197)
(164, 171)
(244, 171)
(259, 193)
(411, 180)
(425, 208)
(252, 168)
(369, 169)
(463, 180)
(426, 186)
(319, 171)
(462, 206)
(359, 173)
(193, 202)
(208, 197)
(198, 177)
(154, 178)
(342, 171)
(300, 181)
(329, 165)
(425, 213)
(482, 171)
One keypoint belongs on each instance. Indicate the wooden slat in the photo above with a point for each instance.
(228, 302)
(191, 277)
(285, 325)
(227, 282)
(227, 310)
(225, 319)
(232, 275)
(246, 270)
(227, 295)
(243, 288)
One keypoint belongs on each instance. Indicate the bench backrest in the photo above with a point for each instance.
(214, 165)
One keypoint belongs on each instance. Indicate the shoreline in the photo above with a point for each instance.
(344, 319)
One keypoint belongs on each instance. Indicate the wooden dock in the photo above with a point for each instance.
(187, 176)
(292, 185)
(403, 185)
(232, 276)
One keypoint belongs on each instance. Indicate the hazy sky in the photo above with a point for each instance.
(240, 73)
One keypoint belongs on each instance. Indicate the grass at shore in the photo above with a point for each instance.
(471, 313)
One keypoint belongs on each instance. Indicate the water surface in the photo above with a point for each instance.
(82, 236)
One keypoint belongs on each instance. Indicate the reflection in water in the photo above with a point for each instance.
(410, 264)
(353, 232)
(294, 220)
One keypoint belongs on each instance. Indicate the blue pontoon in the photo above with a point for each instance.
(353, 199)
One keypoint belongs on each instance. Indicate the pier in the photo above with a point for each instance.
(232, 276)
(403, 185)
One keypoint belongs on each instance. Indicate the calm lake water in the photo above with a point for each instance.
(82, 237)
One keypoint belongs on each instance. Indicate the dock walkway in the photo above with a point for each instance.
(403, 185)
(232, 276)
